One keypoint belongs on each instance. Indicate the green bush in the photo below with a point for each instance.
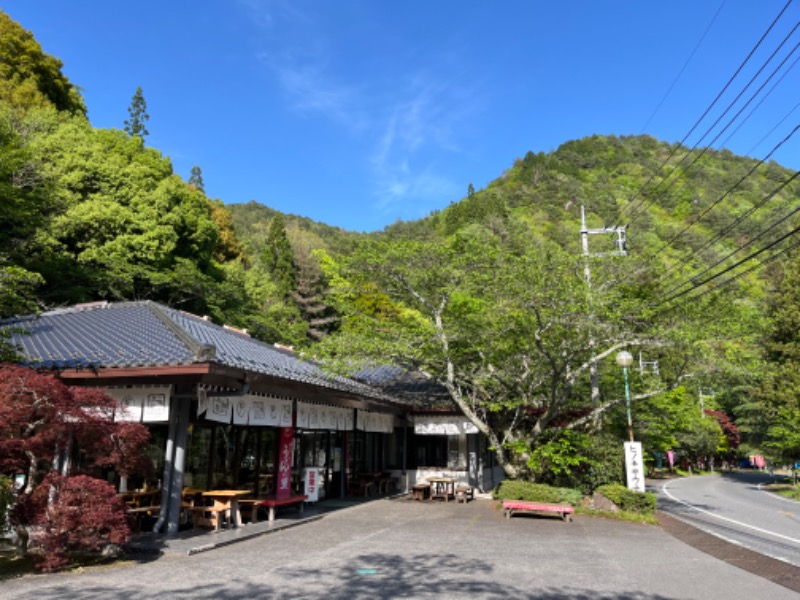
(629, 500)
(536, 492)
(577, 460)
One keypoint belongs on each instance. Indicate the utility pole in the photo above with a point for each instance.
(647, 366)
(622, 250)
(702, 401)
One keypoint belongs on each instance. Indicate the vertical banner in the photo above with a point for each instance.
(284, 487)
(634, 466)
(311, 477)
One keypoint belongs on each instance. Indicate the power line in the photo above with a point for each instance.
(751, 241)
(755, 267)
(732, 267)
(633, 204)
(725, 112)
(714, 204)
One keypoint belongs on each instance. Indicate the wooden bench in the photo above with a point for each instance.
(514, 506)
(419, 491)
(272, 503)
(138, 512)
(209, 516)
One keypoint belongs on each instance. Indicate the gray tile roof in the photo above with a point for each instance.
(413, 387)
(147, 334)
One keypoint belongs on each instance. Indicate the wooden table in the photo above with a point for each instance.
(227, 500)
(141, 498)
(442, 487)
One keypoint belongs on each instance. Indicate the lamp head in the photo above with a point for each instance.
(624, 359)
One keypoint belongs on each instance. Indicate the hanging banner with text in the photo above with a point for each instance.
(143, 404)
(320, 416)
(248, 409)
(634, 466)
(285, 454)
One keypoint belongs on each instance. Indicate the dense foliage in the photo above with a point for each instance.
(43, 423)
(77, 514)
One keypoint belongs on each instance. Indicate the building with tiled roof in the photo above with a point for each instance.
(227, 410)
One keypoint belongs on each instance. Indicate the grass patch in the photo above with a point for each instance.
(623, 515)
(786, 488)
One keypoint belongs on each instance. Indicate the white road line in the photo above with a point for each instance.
(711, 514)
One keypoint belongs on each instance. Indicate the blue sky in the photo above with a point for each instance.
(360, 113)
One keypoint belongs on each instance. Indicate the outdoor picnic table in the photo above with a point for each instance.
(136, 499)
(442, 487)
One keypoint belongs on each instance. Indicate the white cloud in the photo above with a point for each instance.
(428, 110)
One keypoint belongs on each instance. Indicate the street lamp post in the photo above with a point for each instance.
(625, 360)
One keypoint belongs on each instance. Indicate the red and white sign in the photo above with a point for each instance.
(312, 484)
(285, 447)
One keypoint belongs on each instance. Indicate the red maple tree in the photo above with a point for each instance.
(44, 422)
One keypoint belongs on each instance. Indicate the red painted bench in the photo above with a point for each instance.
(271, 502)
(513, 506)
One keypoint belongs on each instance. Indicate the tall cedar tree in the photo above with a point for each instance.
(138, 113)
(309, 296)
(278, 257)
(196, 178)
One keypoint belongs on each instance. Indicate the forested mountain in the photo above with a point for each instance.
(491, 297)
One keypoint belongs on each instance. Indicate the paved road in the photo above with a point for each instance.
(736, 508)
(403, 549)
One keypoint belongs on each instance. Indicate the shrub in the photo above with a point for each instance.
(578, 460)
(85, 515)
(536, 492)
(629, 500)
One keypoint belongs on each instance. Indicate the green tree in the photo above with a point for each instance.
(135, 125)
(30, 78)
(510, 335)
(278, 256)
(779, 395)
(196, 178)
